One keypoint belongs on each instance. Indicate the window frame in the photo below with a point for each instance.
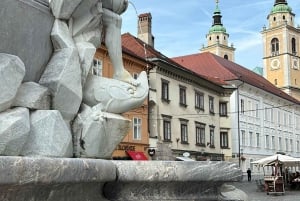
(224, 144)
(137, 128)
(97, 68)
(184, 131)
(167, 128)
(200, 134)
(211, 104)
(222, 107)
(165, 90)
(212, 136)
(182, 96)
(199, 100)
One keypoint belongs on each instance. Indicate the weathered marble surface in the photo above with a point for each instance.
(31, 33)
(169, 180)
(66, 179)
(52, 179)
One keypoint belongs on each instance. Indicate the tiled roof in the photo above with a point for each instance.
(135, 46)
(211, 65)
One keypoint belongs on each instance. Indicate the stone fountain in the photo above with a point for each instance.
(55, 114)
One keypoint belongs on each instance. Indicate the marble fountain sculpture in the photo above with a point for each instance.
(59, 123)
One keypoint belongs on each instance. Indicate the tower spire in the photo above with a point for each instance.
(217, 15)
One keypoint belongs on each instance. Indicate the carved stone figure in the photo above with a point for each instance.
(59, 73)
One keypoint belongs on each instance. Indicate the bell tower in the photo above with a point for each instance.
(217, 38)
(281, 49)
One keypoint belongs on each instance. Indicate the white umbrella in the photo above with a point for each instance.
(279, 158)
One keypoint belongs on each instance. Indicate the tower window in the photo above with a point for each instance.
(226, 56)
(209, 38)
(283, 17)
(217, 37)
(224, 38)
(275, 46)
(295, 81)
(293, 45)
(274, 19)
(275, 81)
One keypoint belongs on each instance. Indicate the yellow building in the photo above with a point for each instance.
(137, 140)
(281, 49)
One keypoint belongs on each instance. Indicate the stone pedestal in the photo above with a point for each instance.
(68, 179)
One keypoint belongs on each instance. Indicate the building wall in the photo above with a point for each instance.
(178, 114)
(269, 119)
(134, 66)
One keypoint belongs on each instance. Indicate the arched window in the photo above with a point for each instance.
(275, 46)
(226, 56)
(293, 45)
(283, 17)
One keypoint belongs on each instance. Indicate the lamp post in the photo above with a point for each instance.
(238, 121)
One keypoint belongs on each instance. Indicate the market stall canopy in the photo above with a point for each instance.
(278, 158)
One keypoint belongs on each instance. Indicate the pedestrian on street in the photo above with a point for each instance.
(249, 174)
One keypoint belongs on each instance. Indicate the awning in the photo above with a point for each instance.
(137, 155)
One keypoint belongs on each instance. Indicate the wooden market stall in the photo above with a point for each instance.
(275, 183)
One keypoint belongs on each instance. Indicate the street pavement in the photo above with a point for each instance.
(255, 194)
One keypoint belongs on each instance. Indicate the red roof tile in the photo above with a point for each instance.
(211, 65)
(137, 47)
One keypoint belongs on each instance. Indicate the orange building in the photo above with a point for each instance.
(135, 144)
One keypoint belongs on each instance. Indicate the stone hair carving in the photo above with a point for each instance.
(50, 99)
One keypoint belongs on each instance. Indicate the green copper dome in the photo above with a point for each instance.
(281, 8)
(217, 29)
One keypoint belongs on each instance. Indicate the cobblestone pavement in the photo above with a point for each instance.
(255, 194)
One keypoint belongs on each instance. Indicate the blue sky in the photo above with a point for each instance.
(180, 26)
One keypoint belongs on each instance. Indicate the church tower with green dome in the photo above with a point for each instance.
(217, 38)
(281, 41)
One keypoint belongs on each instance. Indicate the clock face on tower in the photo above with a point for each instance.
(275, 63)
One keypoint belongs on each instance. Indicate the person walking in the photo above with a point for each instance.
(249, 174)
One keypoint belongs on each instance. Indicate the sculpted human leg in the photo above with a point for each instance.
(112, 23)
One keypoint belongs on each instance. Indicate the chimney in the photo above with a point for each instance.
(145, 29)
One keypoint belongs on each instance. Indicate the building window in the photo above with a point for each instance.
(167, 128)
(200, 134)
(97, 67)
(273, 142)
(256, 110)
(275, 46)
(223, 109)
(242, 106)
(212, 136)
(184, 131)
(297, 146)
(211, 105)
(267, 142)
(165, 90)
(182, 96)
(286, 144)
(226, 56)
(199, 100)
(250, 139)
(137, 128)
(275, 82)
(280, 143)
(224, 139)
(294, 46)
(257, 140)
(291, 145)
(243, 138)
